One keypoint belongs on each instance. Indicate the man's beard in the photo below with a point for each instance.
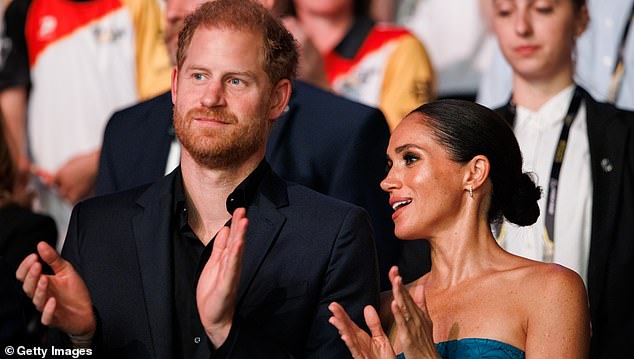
(220, 147)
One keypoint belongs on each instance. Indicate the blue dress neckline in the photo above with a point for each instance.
(472, 348)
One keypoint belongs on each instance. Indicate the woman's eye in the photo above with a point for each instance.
(388, 165)
(409, 159)
(544, 10)
(503, 13)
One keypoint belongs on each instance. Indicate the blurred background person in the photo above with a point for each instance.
(457, 38)
(378, 64)
(13, 96)
(582, 154)
(439, 24)
(604, 58)
(20, 231)
(77, 61)
(20, 228)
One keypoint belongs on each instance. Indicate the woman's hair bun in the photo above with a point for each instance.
(521, 207)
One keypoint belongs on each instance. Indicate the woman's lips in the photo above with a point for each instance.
(526, 50)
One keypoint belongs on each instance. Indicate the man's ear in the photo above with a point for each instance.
(280, 96)
(174, 84)
(476, 172)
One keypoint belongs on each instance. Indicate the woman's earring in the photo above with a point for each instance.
(471, 191)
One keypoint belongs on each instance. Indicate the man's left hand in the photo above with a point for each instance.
(218, 283)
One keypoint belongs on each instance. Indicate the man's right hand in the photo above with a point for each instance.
(62, 297)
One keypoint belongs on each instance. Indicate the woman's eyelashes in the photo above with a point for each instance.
(388, 165)
(410, 158)
(544, 10)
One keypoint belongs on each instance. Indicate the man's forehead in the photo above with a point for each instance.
(228, 40)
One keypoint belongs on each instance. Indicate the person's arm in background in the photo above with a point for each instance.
(409, 80)
(14, 85)
(13, 103)
(75, 180)
(152, 60)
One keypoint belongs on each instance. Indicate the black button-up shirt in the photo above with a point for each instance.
(189, 259)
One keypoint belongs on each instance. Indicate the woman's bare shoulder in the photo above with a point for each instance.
(548, 277)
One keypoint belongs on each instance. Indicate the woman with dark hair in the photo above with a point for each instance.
(582, 153)
(456, 169)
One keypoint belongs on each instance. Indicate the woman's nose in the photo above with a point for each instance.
(390, 182)
(523, 26)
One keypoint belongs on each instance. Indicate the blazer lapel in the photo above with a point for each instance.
(607, 167)
(265, 224)
(152, 233)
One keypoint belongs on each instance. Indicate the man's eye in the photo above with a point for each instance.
(198, 76)
(235, 82)
(388, 165)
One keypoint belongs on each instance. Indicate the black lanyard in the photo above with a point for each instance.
(553, 184)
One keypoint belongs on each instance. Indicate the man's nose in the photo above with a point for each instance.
(214, 95)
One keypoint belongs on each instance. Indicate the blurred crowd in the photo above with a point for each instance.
(85, 110)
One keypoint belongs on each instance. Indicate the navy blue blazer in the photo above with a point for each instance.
(323, 141)
(303, 250)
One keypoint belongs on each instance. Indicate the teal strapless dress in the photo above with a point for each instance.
(475, 348)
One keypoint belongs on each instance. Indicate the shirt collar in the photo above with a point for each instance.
(352, 42)
(242, 196)
(550, 113)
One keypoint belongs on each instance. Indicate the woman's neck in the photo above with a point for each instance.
(463, 253)
(534, 93)
(326, 32)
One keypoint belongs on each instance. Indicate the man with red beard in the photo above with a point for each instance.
(173, 269)
(322, 141)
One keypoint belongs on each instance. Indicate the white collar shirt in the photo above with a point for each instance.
(538, 133)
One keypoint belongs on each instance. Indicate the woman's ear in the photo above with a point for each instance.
(476, 172)
(582, 21)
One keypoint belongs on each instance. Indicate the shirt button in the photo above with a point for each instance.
(197, 340)
(609, 23)
(607, 60)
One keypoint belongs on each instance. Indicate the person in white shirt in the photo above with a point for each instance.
(596, 59)
(582, 155)
(441, 22)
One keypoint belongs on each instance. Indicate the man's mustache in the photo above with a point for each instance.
(220, 115)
